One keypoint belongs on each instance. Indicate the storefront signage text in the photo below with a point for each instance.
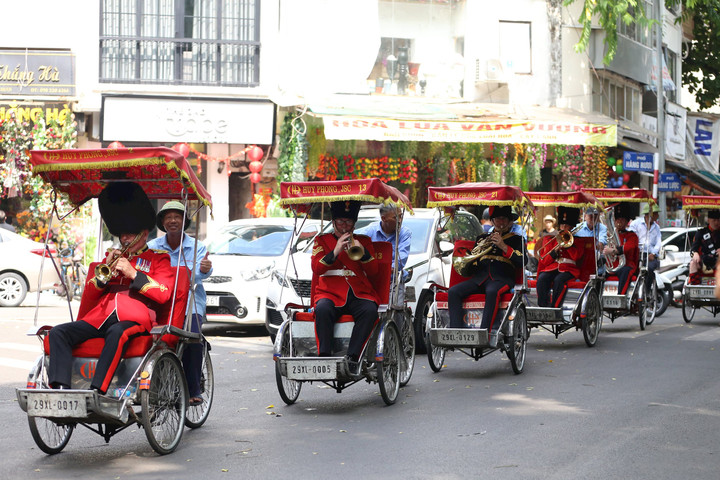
(31, 113)
(37, 73)
(638, 161)
(669, 182)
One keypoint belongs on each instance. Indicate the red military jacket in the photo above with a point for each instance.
(546, 263)
(565, 259)
(336, 276)
(630, 247)
(134, 300)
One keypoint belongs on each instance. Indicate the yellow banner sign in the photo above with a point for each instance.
(512, 131)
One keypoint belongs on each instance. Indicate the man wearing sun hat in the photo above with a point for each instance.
(173, 220)
(492, 274)
(122, 307)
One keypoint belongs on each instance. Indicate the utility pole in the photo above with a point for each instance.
(660, 166)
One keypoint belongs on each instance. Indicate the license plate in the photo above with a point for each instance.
(612, 302)
(312, 369)
(213, 301)
(459, 337)
(56, 405)
(702, 293)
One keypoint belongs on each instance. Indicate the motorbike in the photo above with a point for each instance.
(675, 276)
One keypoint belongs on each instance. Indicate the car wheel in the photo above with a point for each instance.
(12, 289)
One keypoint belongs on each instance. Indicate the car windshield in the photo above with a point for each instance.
(254, 240)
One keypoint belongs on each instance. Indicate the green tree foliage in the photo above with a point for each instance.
(700, 68)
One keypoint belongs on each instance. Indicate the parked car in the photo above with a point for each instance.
(429, 229)
(675, 245)
(244, 252)
(20, 263)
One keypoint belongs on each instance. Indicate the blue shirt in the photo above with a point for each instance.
(188, 246)
(651, 241)
(599, 232)
(376, 234)
(516, 229)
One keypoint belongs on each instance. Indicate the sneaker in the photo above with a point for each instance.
(353, 366)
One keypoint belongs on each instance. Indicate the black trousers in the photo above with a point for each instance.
(556, 280)
(65, 336)
(492, 290)
(364, 312)
(193, 358)
(623, 275)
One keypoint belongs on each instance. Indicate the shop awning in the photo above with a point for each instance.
(708, 178)
(414, 119)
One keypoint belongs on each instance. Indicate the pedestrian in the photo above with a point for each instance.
(4, 223)
(181, 248)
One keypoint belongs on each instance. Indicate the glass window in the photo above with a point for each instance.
(254, 240)
(516, 46)
(191, 42)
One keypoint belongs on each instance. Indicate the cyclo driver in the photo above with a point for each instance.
(704, 248)
(492, 274)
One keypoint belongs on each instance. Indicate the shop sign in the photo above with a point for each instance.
(638, 161)
(30, 112)
(37, 73)
(669, 182)
(511, 131)
(705, 142)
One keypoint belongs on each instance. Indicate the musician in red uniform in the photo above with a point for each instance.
(629, 246)
(343, 286)
(564, 265)
(124, 307)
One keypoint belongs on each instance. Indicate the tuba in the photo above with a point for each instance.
(481, 248)
(613, 241)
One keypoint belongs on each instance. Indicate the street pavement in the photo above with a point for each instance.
(639, 405)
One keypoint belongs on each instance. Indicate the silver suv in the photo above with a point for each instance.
(429, 263)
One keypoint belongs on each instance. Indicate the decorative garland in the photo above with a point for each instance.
(596, 167)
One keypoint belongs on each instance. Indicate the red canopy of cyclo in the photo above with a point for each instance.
(620, 195)
(580, 199)
(82, 174)
(698, 202)
(480, 193)
(300, 195)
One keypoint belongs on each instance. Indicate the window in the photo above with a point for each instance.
(633, 31)
(617, 97)
(186, 42)
(516, 46)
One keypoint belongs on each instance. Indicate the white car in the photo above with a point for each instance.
(244, 252)
(20, 260)
(675, 245)
(429, 229)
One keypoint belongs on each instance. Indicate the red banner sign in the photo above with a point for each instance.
(699, 201)
(580, 199)
(621, 194)
(481, 193)
(370, 190)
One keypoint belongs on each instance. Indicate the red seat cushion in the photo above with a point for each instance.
(614, 278)
(473, 301)
(310, 317)
(137, 347)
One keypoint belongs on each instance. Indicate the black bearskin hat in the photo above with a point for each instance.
(345, 209)
(126, 209)
(502, 212)
(568, 216)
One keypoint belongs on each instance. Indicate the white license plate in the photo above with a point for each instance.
(611, 302)
(702, 293)
(312, 369)
(459, 337)
(56, 405)
(213, 301)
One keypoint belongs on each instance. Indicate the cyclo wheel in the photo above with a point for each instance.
(49, 436)
(389, 367)
(592, 322)
(407, 335)
(197, 414)
(649, 308)
(288, 389)
(164, 404)
(518, 341)
(688, 311)
(436, 355)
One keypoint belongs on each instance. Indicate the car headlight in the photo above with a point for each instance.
(280, 279)
(257, 274)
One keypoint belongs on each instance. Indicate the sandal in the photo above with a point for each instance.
(195, 401)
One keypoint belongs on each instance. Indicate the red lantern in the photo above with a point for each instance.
(255, 177)
(626, 177)
(116, 145)
(255, 154)
(255, 166)
(182, 148)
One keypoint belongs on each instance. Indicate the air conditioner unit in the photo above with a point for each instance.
(490, 70)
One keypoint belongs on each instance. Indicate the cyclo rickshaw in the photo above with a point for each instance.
(388, 355)
(638, 299)
(581, 308)
(474, 341)
(701, 296)
(149, 388)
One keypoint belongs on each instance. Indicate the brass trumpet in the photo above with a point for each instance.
(481, 248)
(355, 252)
(104, 272)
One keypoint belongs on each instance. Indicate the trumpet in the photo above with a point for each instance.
(564, 239)
(104, 272)
(355, 252)
(481, 248)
